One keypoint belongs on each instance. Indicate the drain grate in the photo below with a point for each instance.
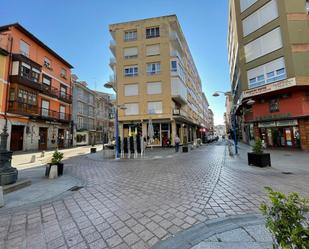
(287, 173)
(75, 188)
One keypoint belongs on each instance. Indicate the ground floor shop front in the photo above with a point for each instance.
(164, 131)
(27, 135)
(292, 133)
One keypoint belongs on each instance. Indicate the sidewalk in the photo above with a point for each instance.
(41, 189)
(237, 232)
(23, 160)
(293, 161)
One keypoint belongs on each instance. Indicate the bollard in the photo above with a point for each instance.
(1, 197)
(53, 173)
(32, 160)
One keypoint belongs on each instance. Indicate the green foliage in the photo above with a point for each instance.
(57, 157)
(285, 219)
(258, 146)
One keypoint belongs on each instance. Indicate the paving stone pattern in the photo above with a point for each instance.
(137, 203)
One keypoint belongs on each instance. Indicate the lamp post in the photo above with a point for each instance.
(217, 94)
(111, 85)
(8, 174)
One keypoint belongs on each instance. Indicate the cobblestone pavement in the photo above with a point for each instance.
(136, 203)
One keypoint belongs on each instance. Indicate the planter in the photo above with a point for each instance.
(59, 169)
(93, 150)
(185, 148)
(260, 160)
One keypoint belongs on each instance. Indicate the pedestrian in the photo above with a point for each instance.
(177, 142)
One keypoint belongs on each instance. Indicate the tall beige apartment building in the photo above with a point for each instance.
(268, 44)
(156, 79)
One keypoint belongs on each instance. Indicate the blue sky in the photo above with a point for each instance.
(78, 31)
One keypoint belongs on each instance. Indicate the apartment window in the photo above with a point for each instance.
(80, 123)
(91, 111)
(63, 91)
(155, 107)
(274, 105)
(267, 73)
(62, 112)
(47, 63)
(130, 53)
(91, 99)
(263, 45)
(260, 17)
(154, 88)
(152, 32)
(245, 4)
(174, 66)
(24, 48)
(152, 50)
(26, 97)
(153, 68)
(35, 74)
(132, 109)
(63, 73)
(46, 80)
(80, 107)
(131, 90)
(130, 35)
(45, 108)
(131, 71)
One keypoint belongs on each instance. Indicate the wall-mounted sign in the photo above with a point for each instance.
(281, 123)
(273, 117)
(270, 87)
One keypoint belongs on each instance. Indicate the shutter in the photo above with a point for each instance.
(131, 109)
(155, 107)
(131, 90)
(130, 52)
(152, 50)
(154, 88)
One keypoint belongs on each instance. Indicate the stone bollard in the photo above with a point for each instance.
(32, 160)
(53, 173)
(1, 197)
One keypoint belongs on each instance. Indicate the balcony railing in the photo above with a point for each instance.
(23, 108)
(50, 90)
(112, 46)
(65, 97)
(49, 114)
(34, 111)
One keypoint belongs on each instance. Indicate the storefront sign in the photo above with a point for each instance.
(270, 87)
(267, 124)
(293, 122)
(281, 123)
(273, 117)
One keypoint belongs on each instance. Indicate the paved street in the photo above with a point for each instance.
(137, 203)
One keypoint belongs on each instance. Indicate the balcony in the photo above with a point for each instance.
(176, 40)
(23, 109)
(112, 63)
(65, 97)
(55, 116)
(179, 91)
(49, 90)
(25, 81)
(112, 47)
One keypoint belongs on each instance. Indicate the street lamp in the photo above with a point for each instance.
(217, 94)
(110, 85)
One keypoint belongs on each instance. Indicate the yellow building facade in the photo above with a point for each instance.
(156, 79)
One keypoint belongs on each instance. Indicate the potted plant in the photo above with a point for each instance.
(56, 160)
(257, 157)
(286, 219)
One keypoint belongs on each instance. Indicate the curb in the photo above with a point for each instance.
(200, 232)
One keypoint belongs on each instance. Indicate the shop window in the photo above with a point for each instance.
(80, 138)
(274, 105)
